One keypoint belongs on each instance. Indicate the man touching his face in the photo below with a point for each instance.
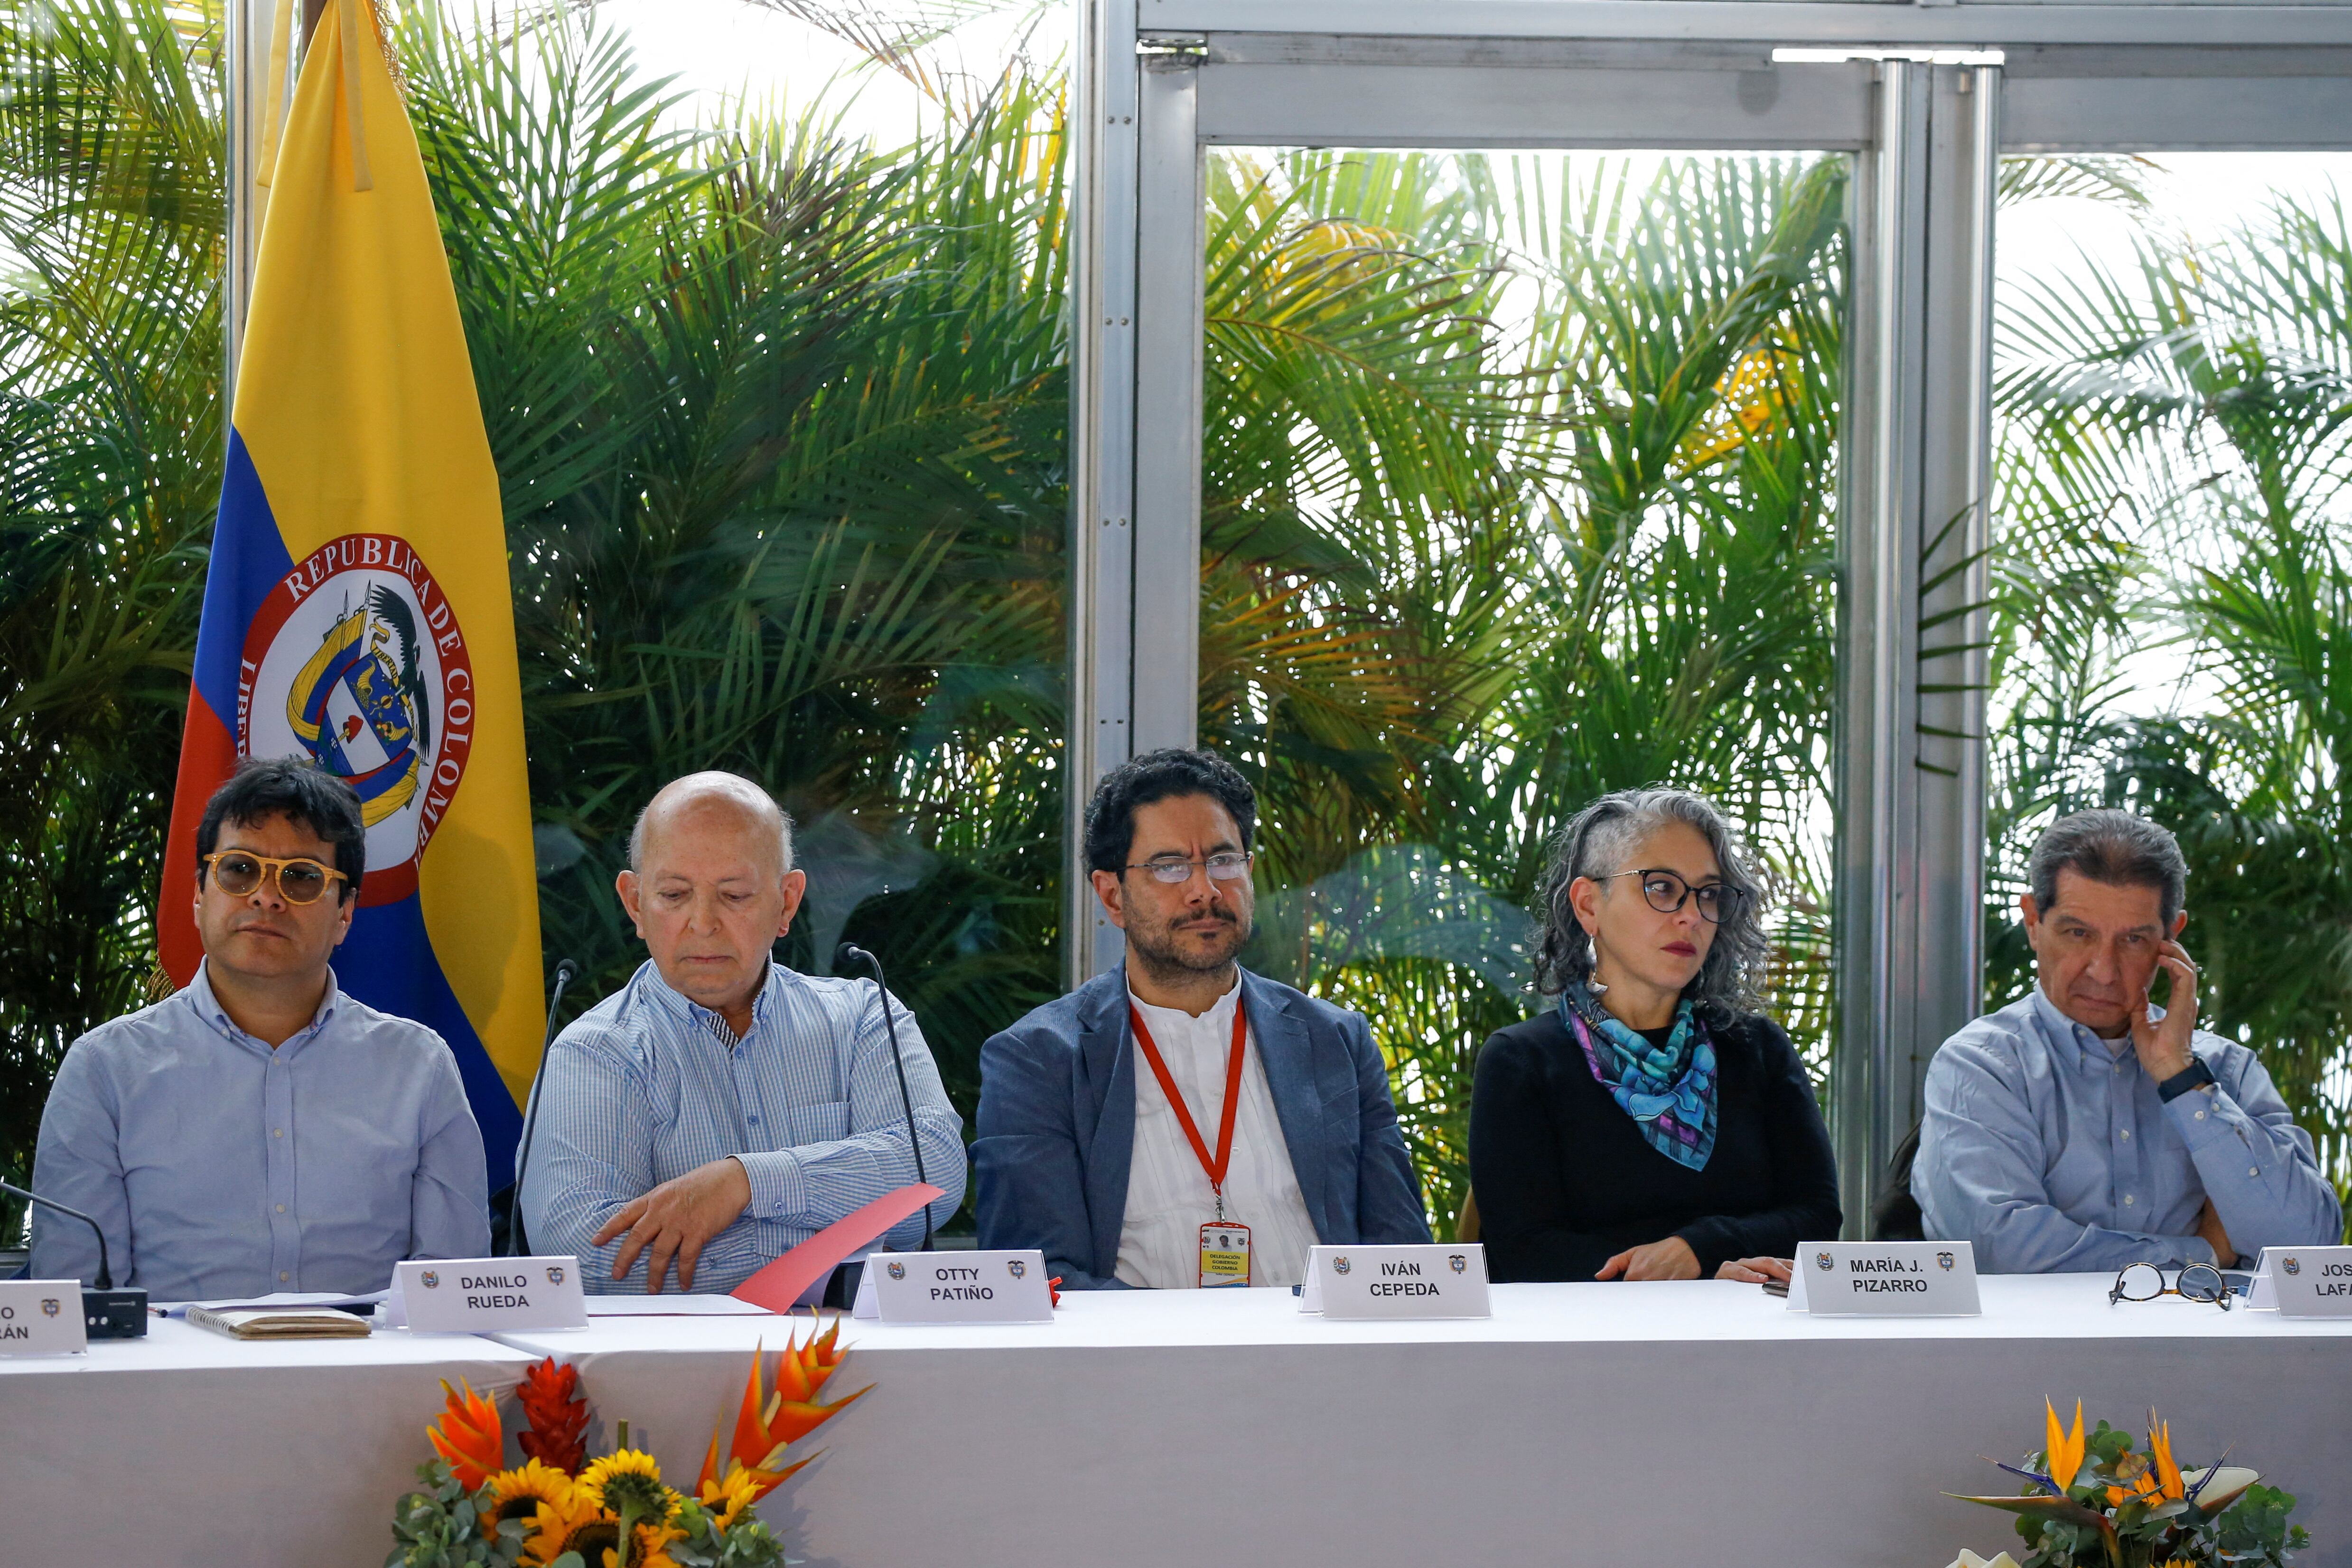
(718, 1110)
(2083, 1128)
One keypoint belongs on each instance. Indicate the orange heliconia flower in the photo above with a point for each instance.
(468, 1437)
(2159, 1449)
(768, 1422)
(557, 1415)
(2064, 1451)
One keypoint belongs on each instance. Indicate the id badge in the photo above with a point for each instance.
(1225, 1254)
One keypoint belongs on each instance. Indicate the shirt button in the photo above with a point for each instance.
(754, 1121)
(281, 1208)
(2129, 1200)
(2253, 1169)
(2201, 1116)
(277, 1132)
(2126, 1134)
(283, 1275)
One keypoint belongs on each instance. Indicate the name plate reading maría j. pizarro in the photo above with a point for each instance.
(481, 1295)
(2311, 1281)
(1409, 1281)
(956, 1288)
(42, 1317)
(1886, 1279)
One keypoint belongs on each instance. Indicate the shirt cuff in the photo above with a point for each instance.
(2197, 1249)
(2197, 1117)
(779, 1185)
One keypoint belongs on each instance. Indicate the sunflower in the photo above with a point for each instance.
(729, 1499)
(574, 1525)
(628, 1479)
(522, 1494)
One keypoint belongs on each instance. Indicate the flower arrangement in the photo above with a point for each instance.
(560, 1509)
(2096, 1502)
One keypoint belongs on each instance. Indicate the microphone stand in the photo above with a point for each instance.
(109, 1314)
(857, 954)
(516, 1238)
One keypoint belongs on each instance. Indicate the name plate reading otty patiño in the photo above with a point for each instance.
(481, 1295)
(42, 1317)
(957, 1288)
(2311, 1281)
(1412, 1281)
(1886, 1279)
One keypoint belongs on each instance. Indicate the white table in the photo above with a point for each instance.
(1670, 1424)
(187, 1449)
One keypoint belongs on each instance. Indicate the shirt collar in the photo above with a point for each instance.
(2089, 1051)
(680, 1005)
(1219, 1013)
(201, 996)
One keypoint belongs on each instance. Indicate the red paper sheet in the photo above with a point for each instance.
(787, 1280)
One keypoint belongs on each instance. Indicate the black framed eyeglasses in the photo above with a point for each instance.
(1668, 893)
(1229, 865)
(2144, 1282)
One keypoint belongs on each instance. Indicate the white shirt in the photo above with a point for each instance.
(1168, 1193)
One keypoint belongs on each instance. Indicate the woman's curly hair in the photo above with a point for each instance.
(1597, 842)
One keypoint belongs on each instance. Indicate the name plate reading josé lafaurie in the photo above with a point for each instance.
(1400, 1281)
(1886, 1279)
(2311, 1281)
(42, 1317)
(479, 1294)
(957, 1288)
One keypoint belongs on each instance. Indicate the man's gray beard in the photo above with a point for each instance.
(1165, 962)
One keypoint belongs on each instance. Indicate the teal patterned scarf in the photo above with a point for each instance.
(1668, 1090)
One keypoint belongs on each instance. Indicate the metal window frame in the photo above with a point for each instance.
(1927, 133)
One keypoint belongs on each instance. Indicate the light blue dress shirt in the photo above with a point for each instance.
(222, 1168)
(647, 1086)
(2053, 1155)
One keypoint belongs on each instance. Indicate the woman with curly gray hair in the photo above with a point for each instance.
(1651, 1124)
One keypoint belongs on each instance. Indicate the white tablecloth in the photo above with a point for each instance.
(1684, 1424)
(188, 1449)
(1622, 1423)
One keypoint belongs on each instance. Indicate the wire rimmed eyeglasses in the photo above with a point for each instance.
(1667, 892)
(2144, 1282)
(1226, 867)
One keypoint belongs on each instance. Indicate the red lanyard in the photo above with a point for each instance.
(1216, 1169)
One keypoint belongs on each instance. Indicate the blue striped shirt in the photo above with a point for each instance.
(221, 1167)
(647, 1086)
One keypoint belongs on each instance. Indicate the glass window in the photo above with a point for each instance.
(1518, 487)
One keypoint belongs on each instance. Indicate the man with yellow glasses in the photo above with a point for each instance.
(260, 1130)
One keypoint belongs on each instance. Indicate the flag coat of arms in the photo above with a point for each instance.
(357, 609)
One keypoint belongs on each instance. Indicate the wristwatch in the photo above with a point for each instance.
(2195, 1074)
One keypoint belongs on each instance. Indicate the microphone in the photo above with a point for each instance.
(854, 953)
(111, 1314)
(517, 1240)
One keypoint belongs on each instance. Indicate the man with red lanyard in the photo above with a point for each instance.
(1180, 1121)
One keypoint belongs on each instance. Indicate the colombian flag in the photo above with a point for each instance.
(357, 611)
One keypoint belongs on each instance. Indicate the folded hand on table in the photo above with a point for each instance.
(1755, 1271)
(1669, 1260)
(677, 1220)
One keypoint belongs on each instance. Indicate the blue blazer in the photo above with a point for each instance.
(1056, 1132)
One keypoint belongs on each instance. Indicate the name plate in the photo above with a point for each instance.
(956, 1288)
(2311, 1281)
(1406, 1281)
(479, 1294)
(42, 1317)
(1886, 1279)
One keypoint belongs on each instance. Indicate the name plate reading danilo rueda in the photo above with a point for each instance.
(1413, 1281)
(478, 1295)
(956, 1288)
(2311, 1281)
(42, 1317)
(1886, 1279)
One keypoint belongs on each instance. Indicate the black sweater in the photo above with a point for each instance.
(1565, 1179)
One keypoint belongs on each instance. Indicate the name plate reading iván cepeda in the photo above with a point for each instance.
(2311, 1281)
(42, 1317)
(956, 1288)
(1400, 1281)
(481, 1295)
(1886, 1279)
